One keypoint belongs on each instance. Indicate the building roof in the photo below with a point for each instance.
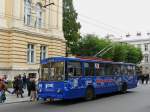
(133, 38)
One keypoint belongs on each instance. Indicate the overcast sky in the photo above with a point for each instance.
(113, 16)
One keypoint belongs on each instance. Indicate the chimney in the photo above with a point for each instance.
(138, 34)
(148, 33)
(108, 36)
(128, 35)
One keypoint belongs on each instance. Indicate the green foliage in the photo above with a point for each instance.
(91, 44)
(70, 25)
(119, 52)
(134, 55)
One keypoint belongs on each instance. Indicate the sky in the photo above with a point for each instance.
(117, 17)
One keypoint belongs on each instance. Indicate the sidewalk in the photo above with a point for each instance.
(12, 98)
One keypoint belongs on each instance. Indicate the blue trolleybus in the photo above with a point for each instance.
(69, 78)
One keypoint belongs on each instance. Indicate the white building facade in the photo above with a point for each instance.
(141, 41)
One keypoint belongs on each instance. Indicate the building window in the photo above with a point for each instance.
(146, 60)
(27, 12)
(43, 52)
(30, 53)
(38, 15)
(146, 47)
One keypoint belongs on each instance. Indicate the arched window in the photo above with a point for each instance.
(27, 12)
(38, 15)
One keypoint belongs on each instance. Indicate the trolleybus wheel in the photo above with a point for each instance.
(124, 88)
(89, 93)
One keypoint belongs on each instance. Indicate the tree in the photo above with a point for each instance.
(70, 25)
(134, 55)
(119, 52)
(91, 44)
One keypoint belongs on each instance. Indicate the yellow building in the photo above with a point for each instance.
(29, 32)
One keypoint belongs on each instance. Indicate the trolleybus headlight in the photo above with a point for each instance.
(39, 88)
(59, 91)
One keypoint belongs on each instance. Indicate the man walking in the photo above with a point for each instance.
(28, 86)
(24, 81)
(147, 78)
(33, 90)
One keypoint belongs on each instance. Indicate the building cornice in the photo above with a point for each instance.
(57, 35)
(136, 40)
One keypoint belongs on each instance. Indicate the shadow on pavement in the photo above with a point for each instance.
(82, 100)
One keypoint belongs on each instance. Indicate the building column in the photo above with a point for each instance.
(60, 14)
(17, 20)
(53, 15)
(2, 14)
(37, 53)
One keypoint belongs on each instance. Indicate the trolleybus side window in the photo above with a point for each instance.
(108, 69)
(53, 71)
(130, 70)
(134, 70)
(116, 69)
(89, 69)
(45, 72)
(99, 69)
(124, 70)
(57, 70)
(74, 68)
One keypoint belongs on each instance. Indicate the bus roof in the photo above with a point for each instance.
(98, 60)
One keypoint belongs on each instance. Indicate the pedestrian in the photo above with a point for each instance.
(28, 86)
(147, 78)
(142, 79)
(20, 86)
(33, 90)
(2, 91)
(24, 81)
(5, 79)
(15, 86)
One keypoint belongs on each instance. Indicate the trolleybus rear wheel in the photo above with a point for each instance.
(124, 88)
(89, 93)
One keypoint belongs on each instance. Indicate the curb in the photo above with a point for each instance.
(15, 102)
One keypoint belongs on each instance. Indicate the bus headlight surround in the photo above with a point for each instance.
(59, 90)
(39, 88)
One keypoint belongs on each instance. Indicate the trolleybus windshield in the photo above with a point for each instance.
(52, 71)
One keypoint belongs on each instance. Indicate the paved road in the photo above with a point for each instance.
(136, 100)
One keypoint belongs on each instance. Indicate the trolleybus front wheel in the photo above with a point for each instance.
(89, 94)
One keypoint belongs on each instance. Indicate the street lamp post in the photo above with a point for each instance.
(48, 4)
